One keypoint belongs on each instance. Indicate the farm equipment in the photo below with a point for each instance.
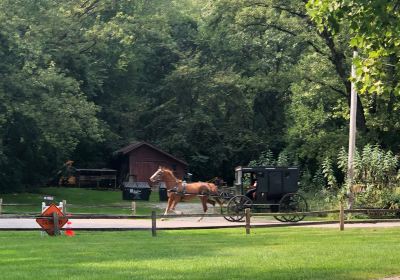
(67, 174)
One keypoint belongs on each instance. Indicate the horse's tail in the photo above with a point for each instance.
(212, 188)
(208, 189)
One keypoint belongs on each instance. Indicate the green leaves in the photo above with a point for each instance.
(373, 31)
(329, 174)
(44, 78)
(213, 82)
(373, 167)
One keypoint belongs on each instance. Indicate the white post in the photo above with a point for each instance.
(1, 205)
(64, 209)
(133, 208)
(352, 133)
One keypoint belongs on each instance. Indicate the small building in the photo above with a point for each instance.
(140, 160)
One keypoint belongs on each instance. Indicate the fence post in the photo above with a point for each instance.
(64, 207)
(133, 208)
(55, 221)
(153, 224)
(247, 212)
(1, 206)
(341, 217)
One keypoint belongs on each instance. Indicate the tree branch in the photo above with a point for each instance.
(318, 50)
(341, 92)
(89, 8)
(279, 28)
(286, 9)
(88, 48)
(270, 26)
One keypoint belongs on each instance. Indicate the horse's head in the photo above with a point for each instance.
(163, 174)
(156, 177)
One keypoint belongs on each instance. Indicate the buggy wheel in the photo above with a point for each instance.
(236, 207)
(292, 202)
(225, 197)
(229, 218)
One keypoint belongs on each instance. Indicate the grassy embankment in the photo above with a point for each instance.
(77, 198)
(275, 253)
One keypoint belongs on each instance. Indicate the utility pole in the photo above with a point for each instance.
(352, 132)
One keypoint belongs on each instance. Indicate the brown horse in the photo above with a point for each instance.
(178, 190)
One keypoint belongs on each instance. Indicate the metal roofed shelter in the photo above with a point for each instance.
(97, 177)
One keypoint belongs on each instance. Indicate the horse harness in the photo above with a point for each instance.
(176, 189)
(183, 191)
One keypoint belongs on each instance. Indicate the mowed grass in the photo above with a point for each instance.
(275, 253)
(77, 199)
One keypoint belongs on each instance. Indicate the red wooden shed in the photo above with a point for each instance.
(141, 160)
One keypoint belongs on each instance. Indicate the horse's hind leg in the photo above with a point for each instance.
(212, 202)
(204, 200)
(217, 200)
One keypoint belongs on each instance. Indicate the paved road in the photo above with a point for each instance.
(179, 223)
(208, 222)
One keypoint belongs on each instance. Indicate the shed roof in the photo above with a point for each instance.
(135, 145)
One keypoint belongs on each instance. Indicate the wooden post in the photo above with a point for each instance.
(1, 206)
(153, 224)
(247, 212)
(64, 207)
(341, 217)
(55, 221)
(133, 208)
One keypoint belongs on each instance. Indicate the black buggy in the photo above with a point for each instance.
(275, 191)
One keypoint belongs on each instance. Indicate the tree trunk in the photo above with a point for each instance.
(339, 61)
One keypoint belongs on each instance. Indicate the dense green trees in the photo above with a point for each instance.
(214, 82)
(45, 111)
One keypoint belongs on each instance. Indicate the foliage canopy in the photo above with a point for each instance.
(213, 82)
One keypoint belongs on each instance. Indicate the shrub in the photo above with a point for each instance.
(375, 174)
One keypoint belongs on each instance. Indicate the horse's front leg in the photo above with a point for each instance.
(168, 208)
(174, 203)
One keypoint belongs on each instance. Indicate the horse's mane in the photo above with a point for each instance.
(170, 172)
(166, 168)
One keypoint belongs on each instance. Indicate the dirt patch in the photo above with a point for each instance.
(185, 207)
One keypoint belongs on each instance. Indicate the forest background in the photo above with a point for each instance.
(218, 83)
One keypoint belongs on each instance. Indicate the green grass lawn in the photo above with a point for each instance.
(275, 253)
(77, 197)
